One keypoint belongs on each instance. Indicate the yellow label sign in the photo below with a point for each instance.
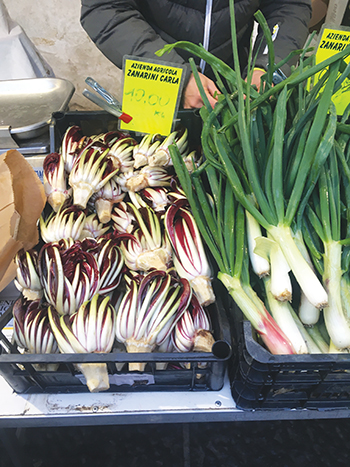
(151, 95)
(331, 42)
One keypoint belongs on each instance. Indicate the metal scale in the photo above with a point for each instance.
(26, 106)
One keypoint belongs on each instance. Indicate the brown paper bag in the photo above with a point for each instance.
(22, 199)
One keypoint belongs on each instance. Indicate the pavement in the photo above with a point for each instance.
(235, 444)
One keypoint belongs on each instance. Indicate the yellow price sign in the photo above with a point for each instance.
(331, 42)
(151, 94)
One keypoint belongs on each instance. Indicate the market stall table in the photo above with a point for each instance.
(35, 410)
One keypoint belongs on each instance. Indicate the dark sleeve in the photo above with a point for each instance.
(292, 19)
(118, 28)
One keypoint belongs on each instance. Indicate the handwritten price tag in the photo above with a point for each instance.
(151, 94)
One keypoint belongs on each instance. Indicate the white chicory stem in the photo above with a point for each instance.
(55, 181)
(66, 223)
(161, 157)
(149, 311)
(90, 173)
(166, 347)
(144, 150)
(190, 259)
(90, 330)
(123, 218)
(148, 247)
(69, 276)
(110, 262)
(192, 161)
(121, 154)
(73, 142)
(193, 331)
(105, 199)
(93, 228)
(146, 177)
(32, 330)
(27, 274)
(156, 198)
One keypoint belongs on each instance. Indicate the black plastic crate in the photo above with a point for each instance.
(96, 122)
(261, 380)
(206, 370)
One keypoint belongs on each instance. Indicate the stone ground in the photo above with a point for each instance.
(236, 444)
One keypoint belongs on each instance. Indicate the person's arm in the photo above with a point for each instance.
(118, 28)
(292, 18)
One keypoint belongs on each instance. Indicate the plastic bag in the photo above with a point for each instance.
(19, 57)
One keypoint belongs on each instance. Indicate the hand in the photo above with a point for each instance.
(257, 74)
(192, 97)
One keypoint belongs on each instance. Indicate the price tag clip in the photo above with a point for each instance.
(107, 101)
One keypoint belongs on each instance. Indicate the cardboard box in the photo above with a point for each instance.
(22, 199)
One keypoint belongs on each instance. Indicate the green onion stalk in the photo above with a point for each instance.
(265, 174)
(342, 150)
(270, 149)
(326, 222)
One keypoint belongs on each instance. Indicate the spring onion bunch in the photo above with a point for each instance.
(327, 229)
(268, 147)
